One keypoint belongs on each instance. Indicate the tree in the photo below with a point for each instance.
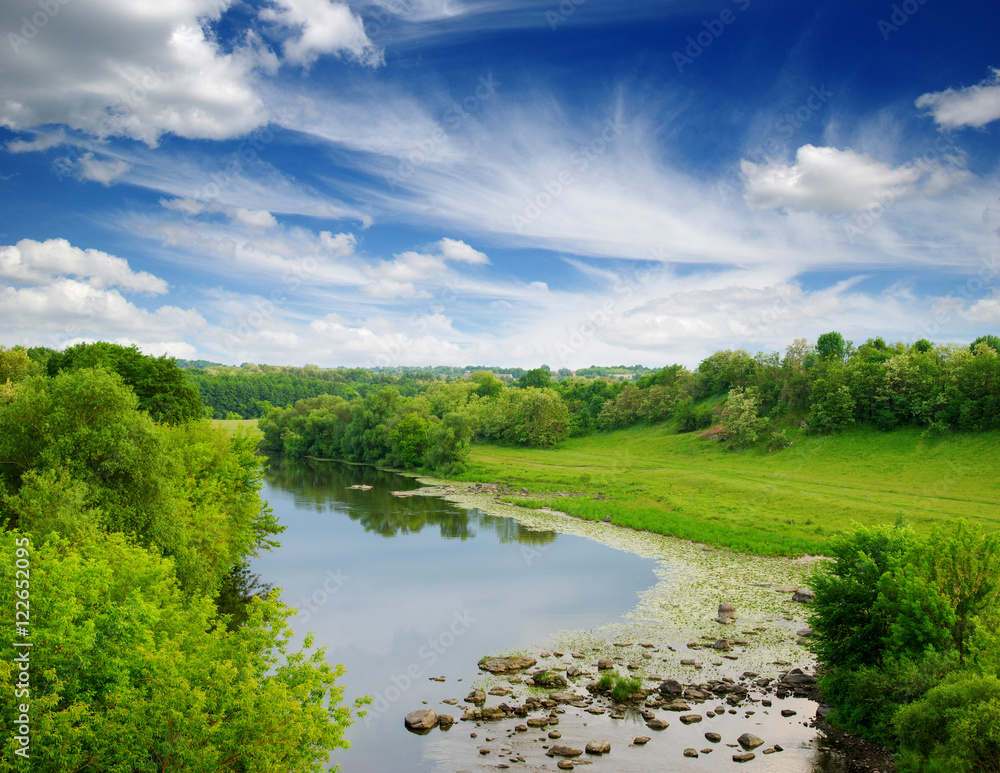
(448, 443)
(540, 378)
(409, 440)
(128, 673)
(741, 425)
(830, 345)
(991, 341)
(162, 387)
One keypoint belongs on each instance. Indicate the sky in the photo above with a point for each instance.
(497, 182)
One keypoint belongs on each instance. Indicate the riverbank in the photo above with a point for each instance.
(782, 503)
(728, 675)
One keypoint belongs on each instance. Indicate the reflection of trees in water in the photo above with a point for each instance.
(238, 590)
(325, 486)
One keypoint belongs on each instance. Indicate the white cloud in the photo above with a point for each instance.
(321, 27)
(972, 106)
(254, 218)
(453, 249)
(40, 142)
(120, 68)
(35, 262)
(830, 180)
(104, 171)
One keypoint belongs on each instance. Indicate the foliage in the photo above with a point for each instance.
(409, 440)
(129, 673)
(161, 387)
(953, 728)
(742, 427)
(830, 346)
(190, 491)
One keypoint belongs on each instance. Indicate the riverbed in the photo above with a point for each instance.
(409, 592)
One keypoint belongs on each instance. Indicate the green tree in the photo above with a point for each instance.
(539, 378)
(991, 341)
(162, 387)
(830, 346)
(409, 440)
(742, 427)
(448, 443)
(128, 673)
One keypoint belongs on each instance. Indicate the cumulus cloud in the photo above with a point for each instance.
(829, 180)
(55, 294)
(396, 278)
(321, 27)
(32, 262)
(972, 106)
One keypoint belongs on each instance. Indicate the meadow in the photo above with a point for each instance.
(786, 502)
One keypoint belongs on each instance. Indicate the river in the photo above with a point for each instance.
(410, 592)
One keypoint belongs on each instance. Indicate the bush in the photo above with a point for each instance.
(621, 687)
(953, 728)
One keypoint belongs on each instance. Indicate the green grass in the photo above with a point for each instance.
(620, 687)
(784, 503)
(233, 425)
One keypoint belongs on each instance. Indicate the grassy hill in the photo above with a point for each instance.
(787, 502)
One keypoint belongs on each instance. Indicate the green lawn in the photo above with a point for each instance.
(787, 502)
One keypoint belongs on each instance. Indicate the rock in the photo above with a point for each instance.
(804, 632)
(555, 735)
(506, 665)
(690, 719)
(563, 751)
(671, 687)
(607, 519)
(549, 679)
(501, 690)
(690, 752)
(599, 747)
(477, 697)
(565, 765)
(421, 720)
(676, 705)
(713, 737)
(538, 722)
(749, 741)
(787, 713)
(520, 728)
(744, 757)
(657, 724)
(797, 677)
(688, 662)
(803, 595)
(726, 614)
(445, 721)
(721, 645)
(360, 487)
(640, 740)
(402, 494)
(565, 697)
(822, 710)
(605, 664)
(573, 671)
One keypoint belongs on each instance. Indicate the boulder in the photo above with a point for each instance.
(477, 697)
(421, 720)
(671, 687)
(640, 740)
(506, 665)
(445, 721)
(713, 737)
(563, 751)
(657, 724)
(690, 752)
(690, 719)
(744, 757)
(749, 741)
(599, 747)
(726, 614)
(604, 664)
(803, 595)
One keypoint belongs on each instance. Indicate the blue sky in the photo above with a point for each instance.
(418, 182)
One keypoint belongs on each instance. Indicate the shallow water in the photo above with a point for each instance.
(404, 590)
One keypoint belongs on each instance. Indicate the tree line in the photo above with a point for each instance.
(129, 518)
(747, 399)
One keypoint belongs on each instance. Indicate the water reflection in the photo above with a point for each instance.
(326, 487)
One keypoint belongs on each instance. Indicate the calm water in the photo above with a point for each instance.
(402, 590)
